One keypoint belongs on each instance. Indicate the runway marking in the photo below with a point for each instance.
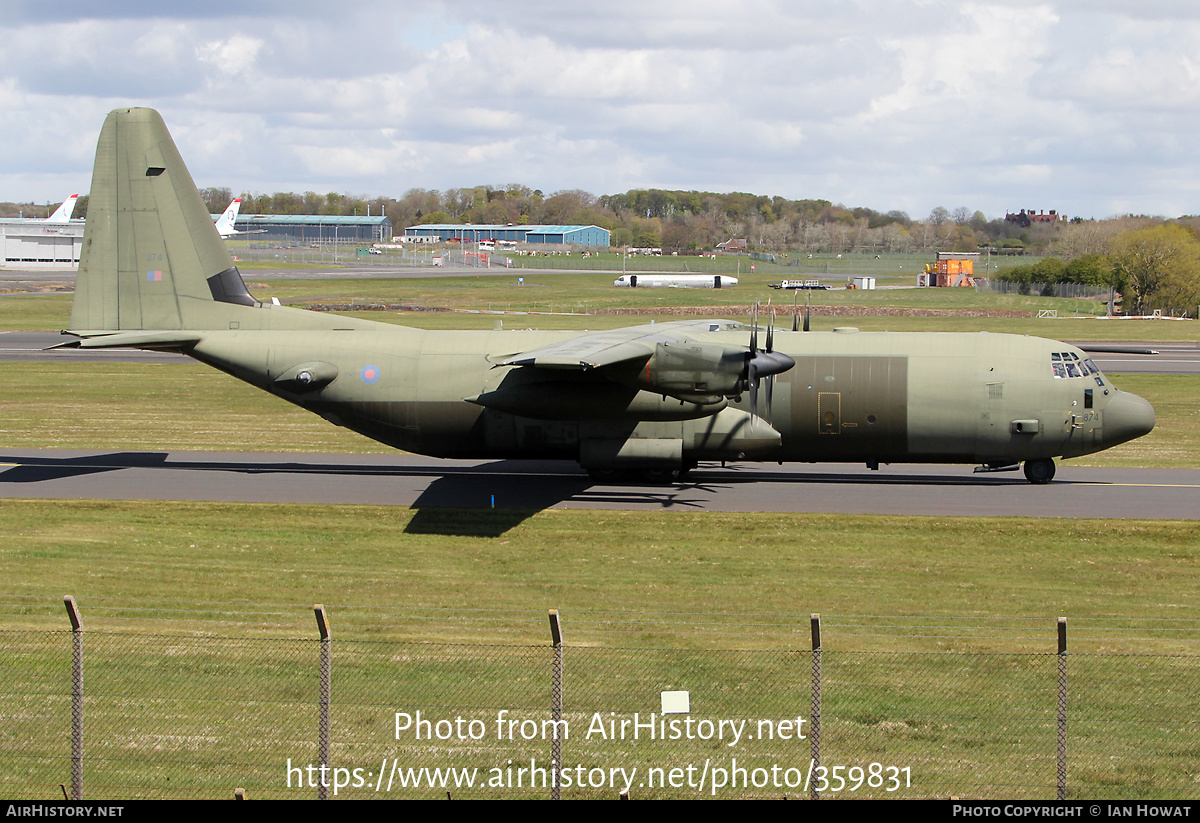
(1140, 485)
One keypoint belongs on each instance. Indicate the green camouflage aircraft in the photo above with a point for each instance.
(654, 399)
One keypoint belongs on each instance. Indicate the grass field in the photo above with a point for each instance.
(938, 633)
(938, 639)
(366, 560)
(475, 302)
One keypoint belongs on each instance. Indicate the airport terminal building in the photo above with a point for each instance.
(533, 234)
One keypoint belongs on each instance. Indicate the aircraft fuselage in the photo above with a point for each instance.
(852, 396)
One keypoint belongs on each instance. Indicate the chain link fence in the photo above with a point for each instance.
(1080, 291)
(191, 714)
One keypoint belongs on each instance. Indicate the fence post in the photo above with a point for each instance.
(324, 691)
(1062, 708)
(556, 705)
(76, 698)
(814, 720)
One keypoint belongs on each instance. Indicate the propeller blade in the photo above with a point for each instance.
(754, 331)
(752, 372)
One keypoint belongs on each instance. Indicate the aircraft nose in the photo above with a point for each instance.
(1127, 416)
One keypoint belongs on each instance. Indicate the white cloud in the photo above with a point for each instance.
(232, 56)
(1079, 105)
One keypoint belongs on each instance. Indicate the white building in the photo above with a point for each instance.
(38, 244)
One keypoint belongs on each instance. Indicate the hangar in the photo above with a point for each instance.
(314, 228)
(29, 243)
(548, 235)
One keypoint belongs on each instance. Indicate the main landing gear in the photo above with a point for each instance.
(663, 476)
(1039, 472)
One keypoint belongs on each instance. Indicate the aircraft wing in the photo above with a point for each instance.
(609, 348)
(669, 359)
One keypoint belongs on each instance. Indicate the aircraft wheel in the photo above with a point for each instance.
(661, 476)
(606, 475)
(1039, 472)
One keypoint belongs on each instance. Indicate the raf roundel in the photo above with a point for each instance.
(369, 374)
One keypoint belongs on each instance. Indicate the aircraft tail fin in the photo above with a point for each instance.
(228, 217)
(63, 213)
(152, 257)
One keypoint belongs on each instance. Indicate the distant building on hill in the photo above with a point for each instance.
(1025, 219)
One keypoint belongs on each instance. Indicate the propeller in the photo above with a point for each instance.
(796, 312)
(764, 363)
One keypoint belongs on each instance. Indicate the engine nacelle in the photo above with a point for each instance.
(694, 371)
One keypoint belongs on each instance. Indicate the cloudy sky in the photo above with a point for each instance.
(1090, 107)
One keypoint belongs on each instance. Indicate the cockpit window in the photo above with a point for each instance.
(1068, 364)
(1060, 370)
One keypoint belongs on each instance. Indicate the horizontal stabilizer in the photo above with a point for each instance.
(157, 340)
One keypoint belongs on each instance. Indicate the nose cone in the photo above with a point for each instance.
(1125, 417)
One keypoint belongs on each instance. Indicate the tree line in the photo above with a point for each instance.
(1153, 265)
(676, 220)
(1154, 262)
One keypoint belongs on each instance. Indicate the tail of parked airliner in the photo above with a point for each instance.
(63, 213)
(226, 220)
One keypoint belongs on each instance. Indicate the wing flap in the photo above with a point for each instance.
(609, 348)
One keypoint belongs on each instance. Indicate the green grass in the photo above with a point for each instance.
(553, 297)
(938, 640)
(35, 312)
(938, 632)
(135, 565)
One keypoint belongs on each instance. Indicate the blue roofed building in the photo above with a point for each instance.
(545, 235)
(314, 228)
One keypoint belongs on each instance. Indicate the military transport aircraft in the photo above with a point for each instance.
(656, 399)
